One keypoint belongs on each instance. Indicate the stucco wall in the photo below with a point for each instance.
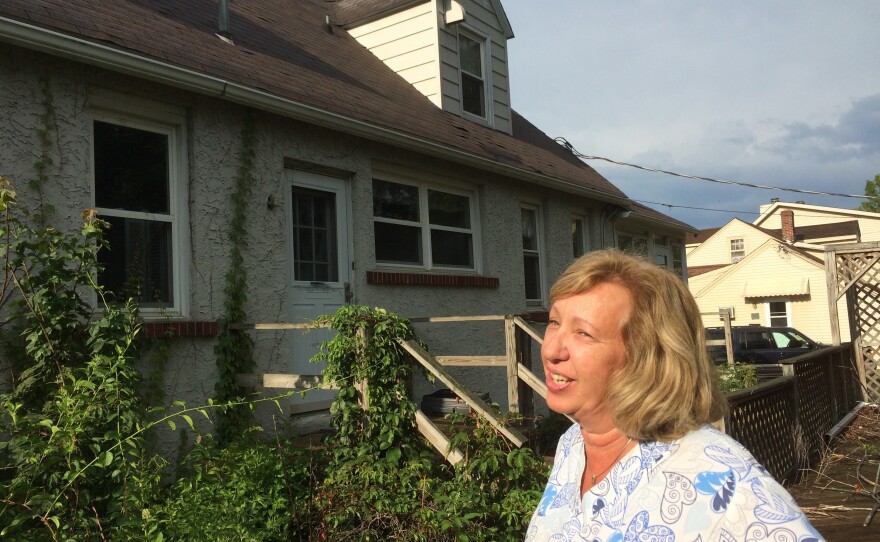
(213, 139)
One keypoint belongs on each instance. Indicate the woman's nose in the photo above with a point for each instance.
(553, 348)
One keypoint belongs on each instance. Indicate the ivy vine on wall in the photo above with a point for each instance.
(234, 349)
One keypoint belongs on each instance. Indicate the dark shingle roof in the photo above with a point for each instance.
(821, 231)
(352, 12)
(697, 270)
(284, 49)
(700, 236)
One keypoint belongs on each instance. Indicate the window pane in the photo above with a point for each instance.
(473, 98)
(529, 229)
(532, 270)
(131, 169)
(397, 201)
(452, 248)
(314, 235)
(138, 261)
(577, 237)
(778, 313)
(398, 244)
(448, 209)
(470, 55)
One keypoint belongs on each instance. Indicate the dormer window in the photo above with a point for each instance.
(472, 69)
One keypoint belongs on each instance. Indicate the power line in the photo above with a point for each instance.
(564, 142)
(670, 205)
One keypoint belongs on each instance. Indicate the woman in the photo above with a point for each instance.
(625, 356)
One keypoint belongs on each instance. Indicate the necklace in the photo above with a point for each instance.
(600, 473)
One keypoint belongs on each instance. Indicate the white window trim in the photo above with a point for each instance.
(486, 56)
(734, 259)
(788, 320)
(427, 258)
(541, 252)
(143, 114)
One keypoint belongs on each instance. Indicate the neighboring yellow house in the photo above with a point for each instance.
(772, 272)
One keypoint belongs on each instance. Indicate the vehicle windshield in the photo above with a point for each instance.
(790, 339)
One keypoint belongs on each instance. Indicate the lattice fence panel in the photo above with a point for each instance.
(764, 421)
(859, 273)
(816, 402)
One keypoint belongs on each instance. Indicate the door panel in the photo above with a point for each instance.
(319, 265)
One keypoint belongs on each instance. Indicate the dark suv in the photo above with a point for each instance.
(759, 344)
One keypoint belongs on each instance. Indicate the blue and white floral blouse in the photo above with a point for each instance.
(704, 487)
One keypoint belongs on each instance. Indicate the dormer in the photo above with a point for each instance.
(453, 51)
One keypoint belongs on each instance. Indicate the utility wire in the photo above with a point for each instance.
(564, 142)
(670, 205)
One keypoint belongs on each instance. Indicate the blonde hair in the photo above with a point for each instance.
(666, 385)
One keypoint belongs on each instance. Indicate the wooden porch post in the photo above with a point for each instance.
(512, 364)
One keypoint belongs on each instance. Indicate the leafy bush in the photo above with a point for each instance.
(71, 426)
(76, 466)
(384, 482)
(736, 376)
(250, 490)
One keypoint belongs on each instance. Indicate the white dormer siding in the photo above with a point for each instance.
(407, 43)
(419, 45)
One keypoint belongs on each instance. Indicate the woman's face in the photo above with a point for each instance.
(583, 346)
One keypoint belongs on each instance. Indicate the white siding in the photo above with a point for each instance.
(724, 288)
(407, 42)
(716, 249)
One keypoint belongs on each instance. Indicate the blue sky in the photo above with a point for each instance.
(770, 92)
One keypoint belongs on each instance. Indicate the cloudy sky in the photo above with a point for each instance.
(772, 92)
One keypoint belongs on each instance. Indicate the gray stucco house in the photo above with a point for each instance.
(390, 167)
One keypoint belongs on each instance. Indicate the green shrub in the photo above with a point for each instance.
(737, 376)
(71, 441)
(249, 490)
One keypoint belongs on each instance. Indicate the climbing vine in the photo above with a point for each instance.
(382, 481)
(44, 159)
(234, 349)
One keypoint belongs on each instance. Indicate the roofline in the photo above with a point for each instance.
(88, 52)
(677, 224)
(773, 207)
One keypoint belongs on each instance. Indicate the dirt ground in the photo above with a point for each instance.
(841, 491)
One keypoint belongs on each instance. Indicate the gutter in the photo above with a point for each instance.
(117, 60)
(838, 428)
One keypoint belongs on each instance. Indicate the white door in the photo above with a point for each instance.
(319, 269)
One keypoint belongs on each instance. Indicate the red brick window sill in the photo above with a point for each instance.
(158, 330)
(420, 279)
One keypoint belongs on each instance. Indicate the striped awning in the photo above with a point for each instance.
(776, 287)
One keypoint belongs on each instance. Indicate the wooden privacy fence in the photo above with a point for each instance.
(853, 270)
(787, 421)
(516, 351)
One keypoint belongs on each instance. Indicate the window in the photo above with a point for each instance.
(138, 169)
(737, 250)
(778, 313)
(423, 226)
(313, 218)
(632, 244)
(578, 236)
(473, 80)
(532, 254)
(677, 262)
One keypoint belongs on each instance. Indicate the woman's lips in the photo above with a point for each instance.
(557, 382)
